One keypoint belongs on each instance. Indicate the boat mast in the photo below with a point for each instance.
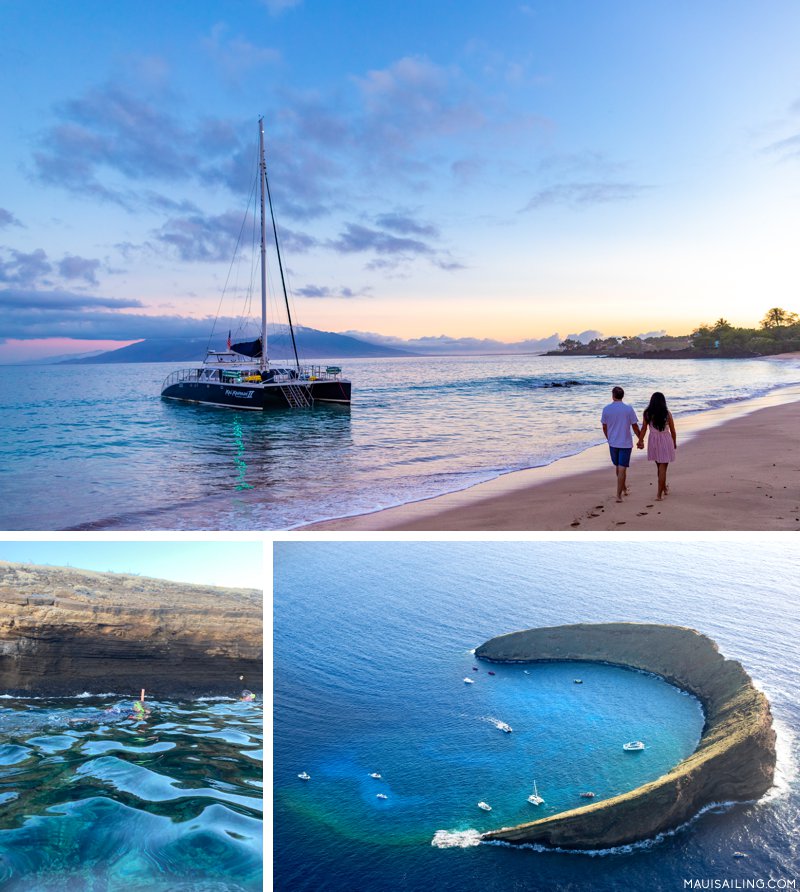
(265, 187)
(262, 171)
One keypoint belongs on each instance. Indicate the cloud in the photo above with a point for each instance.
(467, 170)
(202, 238)
(405, 224)
(276, 7)
(324, 291)
(27, 314)
(48, 301)
(8, 219)
(110, 129)
(24, 268)
(36, 269)
(235, 56)
(585, 336)
(788, 149)
(79, 268)
(413, 100)
(212, 238)
(357, 238)
(577, 195)
(391, 249)
(110, 135)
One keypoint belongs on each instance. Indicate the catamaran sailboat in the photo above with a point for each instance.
(241, 376)
(535, 798)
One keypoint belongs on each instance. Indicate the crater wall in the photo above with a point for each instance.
(64, 631)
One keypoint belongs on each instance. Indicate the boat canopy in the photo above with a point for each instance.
(248, 348)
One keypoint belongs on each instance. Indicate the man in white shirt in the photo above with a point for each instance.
(618, 420)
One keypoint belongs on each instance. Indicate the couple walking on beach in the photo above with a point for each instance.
(619, 419)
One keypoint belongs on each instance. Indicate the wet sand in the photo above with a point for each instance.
(737, 468)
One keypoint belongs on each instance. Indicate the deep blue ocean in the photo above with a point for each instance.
(372, 641)
(95, 447)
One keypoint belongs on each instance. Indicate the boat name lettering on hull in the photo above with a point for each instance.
(243, 394)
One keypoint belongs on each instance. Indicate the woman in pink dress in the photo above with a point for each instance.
(662, 442)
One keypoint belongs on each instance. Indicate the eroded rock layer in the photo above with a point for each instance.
(734, 760)
(64, 631)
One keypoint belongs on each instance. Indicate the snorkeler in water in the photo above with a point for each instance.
(247, 697)
(140, 711)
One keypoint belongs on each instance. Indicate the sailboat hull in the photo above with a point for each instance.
(256, 397)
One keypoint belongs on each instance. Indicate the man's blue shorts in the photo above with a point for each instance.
(620, 457)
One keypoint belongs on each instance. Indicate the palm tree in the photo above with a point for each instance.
(777, 317)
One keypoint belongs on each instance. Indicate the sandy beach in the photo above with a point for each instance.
(737, 468)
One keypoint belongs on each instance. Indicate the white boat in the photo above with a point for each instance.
(502, 726)
(535, 798)
(634, 746)
(241, 376)
(468, 681)
(485, 806)
(381, 796)
(304, 776)
(375, 775)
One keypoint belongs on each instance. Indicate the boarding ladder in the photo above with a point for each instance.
(296, 396)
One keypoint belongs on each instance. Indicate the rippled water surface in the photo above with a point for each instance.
(373, 641)
(95, 446)
(91, 798)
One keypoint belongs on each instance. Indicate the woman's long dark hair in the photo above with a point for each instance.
(656, 412)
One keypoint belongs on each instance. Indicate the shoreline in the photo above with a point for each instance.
(721, 480)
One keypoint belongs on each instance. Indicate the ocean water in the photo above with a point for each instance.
(94, 447)
(91, 800)
(372, 641)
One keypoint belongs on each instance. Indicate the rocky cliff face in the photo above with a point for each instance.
(65, 631)
(734, 761)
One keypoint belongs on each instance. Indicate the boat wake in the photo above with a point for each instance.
(495, 722)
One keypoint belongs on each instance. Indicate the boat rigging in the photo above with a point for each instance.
(242, 377)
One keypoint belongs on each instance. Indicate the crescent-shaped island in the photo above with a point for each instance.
(734, 760)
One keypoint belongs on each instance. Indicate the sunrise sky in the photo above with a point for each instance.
(504, 170)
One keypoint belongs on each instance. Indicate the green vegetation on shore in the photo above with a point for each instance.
(778, 332)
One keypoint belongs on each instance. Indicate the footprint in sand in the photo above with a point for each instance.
(648, 506)
(598, 507)
(592, 514)
(641, 513)
(619, 523)
(575, 523)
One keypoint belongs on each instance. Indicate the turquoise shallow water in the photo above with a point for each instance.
(96, 447)
(372, 642)
(91, 802)
(447, 753)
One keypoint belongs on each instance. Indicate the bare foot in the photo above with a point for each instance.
(659, 499)
(619, 501)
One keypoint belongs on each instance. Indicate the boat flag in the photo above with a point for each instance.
(229, 339)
